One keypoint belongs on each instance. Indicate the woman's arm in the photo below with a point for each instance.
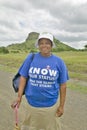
(20, 92)
(60, 109)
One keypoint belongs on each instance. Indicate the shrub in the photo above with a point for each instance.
(4, 50)
(15, 51)
(33, 50)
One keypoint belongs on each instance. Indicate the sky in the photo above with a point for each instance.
(65, 19)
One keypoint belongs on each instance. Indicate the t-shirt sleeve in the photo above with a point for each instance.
(63, 73)
(23, 71)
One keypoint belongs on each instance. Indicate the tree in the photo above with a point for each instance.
(85, 46)
(4, 50)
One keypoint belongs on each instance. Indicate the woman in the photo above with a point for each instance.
(48, 76)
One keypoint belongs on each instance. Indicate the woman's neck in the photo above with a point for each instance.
(46, 54)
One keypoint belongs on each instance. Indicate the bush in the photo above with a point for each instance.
(15, 51)
(4, 50)
(33, 50)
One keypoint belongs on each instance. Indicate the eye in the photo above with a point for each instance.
(48, 43)
(40, 43)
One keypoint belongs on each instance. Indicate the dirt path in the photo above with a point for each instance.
(74, 118)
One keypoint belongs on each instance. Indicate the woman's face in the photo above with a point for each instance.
(45, 46)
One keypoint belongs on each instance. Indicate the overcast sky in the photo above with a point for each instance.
(65, 19)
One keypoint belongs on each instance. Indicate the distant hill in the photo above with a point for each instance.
(29, 44)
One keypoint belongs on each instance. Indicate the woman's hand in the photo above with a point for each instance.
(20, 92)
(60, 111)
(16, 103)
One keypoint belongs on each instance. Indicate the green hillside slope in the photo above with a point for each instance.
(29, 44)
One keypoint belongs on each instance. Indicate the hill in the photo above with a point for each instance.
(29, 44)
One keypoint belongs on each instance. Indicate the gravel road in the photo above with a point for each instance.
(74, 118)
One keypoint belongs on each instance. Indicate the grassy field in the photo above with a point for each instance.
(76, 62)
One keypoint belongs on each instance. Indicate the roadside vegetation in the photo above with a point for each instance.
(76, 62)
(4, 50)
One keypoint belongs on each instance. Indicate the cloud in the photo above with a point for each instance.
(64, 18)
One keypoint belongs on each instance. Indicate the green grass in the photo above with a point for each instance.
(11, 61)
(76, 62)
(77, 87)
